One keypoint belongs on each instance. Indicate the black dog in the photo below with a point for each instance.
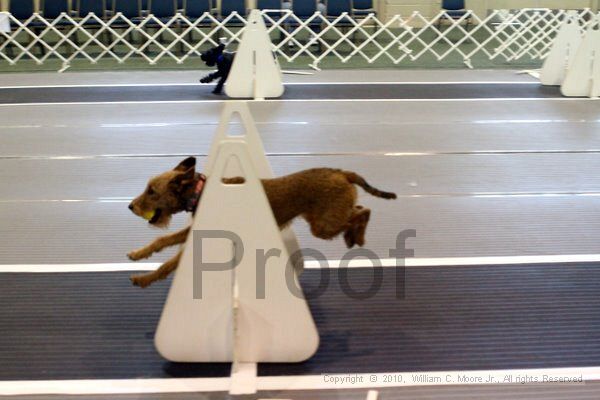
(223, 60)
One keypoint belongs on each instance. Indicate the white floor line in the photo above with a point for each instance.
(440, 100)
(320, 123)
(91, 103)
(320, 154)
(114, 386)
(299, 101)
(480, 195)
(307, 382)
(117, 85)
(64, 268)
(312, 264)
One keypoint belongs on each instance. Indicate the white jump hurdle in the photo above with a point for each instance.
(4, 22)
(574, 61)
(216, 315)
(255, 72)
(583, 77)
(563, 51)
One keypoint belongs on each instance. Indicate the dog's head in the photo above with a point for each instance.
(210, 57)
(166, 194)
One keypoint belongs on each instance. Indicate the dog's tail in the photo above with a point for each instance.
(360, 181)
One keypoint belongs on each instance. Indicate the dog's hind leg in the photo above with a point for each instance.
(327, 225)
(333, 215)
(210, 77)
(350, 237)
(159, 244)
(219, 88)
(361, 221)
(358, 225)
(161, 273)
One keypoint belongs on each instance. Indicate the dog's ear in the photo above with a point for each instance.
(186, 164)
(183, 179)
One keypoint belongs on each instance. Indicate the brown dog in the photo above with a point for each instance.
(324, 197)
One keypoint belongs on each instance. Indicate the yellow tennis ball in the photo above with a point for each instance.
(148, 215)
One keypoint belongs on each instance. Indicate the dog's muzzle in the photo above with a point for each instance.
(154, 217)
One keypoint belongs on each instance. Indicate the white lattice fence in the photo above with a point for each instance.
(506, 34)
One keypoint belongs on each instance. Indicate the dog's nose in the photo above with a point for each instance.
(131, 206)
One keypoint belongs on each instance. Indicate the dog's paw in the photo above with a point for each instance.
(140, 280)
(138, 255)
(360, 240)
(349, 238)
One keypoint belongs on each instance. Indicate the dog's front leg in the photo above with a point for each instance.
(159, 244)
(162, 272)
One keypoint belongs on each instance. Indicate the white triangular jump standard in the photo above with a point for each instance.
(563, 51)
(255, 72)
(4, 22)
(227, 321)
(583, 77)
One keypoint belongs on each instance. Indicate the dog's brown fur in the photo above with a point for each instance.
(324, 197)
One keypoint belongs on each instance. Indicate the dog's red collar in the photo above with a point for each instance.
(192, 203)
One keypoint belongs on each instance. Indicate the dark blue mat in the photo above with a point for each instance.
(94, 325)
(292, 92)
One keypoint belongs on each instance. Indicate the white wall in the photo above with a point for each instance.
(431, 7)
(564, 4)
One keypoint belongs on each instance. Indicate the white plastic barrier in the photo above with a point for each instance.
(562, 53)
(573, 61)
(229, 322)
(4, 22)
(583, 77)
(255, 72)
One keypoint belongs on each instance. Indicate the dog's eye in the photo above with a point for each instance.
(150, 191)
